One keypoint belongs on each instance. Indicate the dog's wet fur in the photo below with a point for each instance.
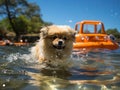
(56, 43)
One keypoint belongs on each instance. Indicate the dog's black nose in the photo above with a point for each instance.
(60, 43)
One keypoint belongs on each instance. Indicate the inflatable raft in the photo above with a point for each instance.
(4, 43)
(91, 34)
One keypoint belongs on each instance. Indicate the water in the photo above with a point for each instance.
(95, 70)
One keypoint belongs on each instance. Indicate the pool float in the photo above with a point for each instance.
(20, 44)
(6, 43)
(93, 37)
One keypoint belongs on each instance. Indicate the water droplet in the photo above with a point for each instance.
(4, 85)
(8, 80)
(54, 80)
(54, 72)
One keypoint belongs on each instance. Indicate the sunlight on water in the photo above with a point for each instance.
(85, 71)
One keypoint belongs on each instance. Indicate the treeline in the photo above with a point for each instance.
(21, 17)
(115, 32)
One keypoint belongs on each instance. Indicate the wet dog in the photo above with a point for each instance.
(55, 44)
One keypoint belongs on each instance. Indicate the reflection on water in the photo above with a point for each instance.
(96, 70)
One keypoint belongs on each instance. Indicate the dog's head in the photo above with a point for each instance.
(58, 37)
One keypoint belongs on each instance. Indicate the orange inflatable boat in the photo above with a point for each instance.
(8, 43)
(91, 34)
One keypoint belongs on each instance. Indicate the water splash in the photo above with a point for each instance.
(18, 57)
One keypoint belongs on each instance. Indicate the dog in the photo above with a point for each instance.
(55, 44)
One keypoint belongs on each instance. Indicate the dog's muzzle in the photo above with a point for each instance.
(59, 45)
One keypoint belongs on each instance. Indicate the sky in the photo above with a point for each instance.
(69, 12)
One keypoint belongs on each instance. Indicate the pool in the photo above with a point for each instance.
(95, 70)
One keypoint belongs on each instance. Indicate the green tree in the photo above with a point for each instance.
(21, 24)
(114, 31)
(24, 17)
(11, 9)
(4, 26)
(3, 29)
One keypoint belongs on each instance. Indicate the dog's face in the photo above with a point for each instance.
(58, 37)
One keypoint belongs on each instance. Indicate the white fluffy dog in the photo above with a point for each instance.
(55, 44)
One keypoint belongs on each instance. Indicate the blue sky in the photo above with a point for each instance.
(68, 12)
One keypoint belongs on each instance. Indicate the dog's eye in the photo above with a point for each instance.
(54, 37)
(65, 38)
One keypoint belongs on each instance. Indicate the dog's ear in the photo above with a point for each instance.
(73, 35)
(44, 32)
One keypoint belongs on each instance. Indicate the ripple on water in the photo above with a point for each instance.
(89, 71)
